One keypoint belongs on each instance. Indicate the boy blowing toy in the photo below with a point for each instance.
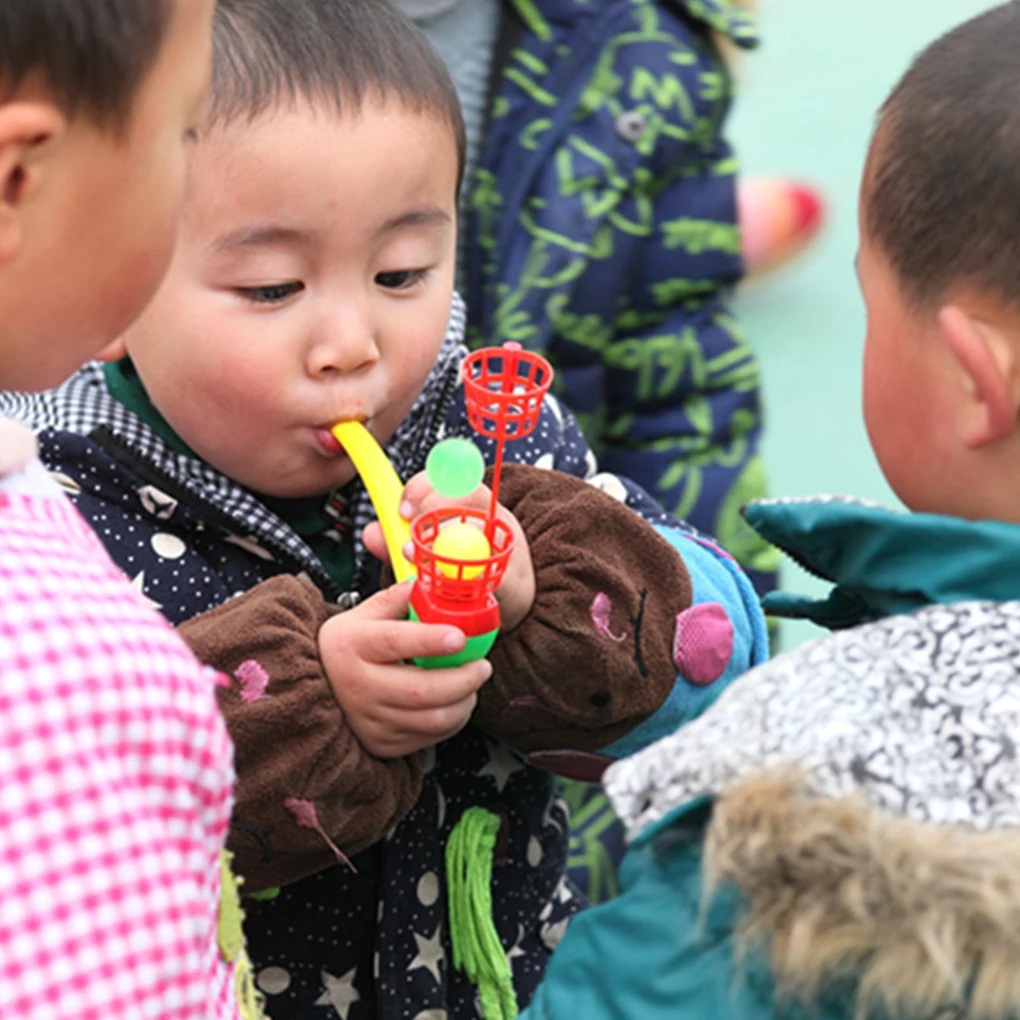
(312, 283)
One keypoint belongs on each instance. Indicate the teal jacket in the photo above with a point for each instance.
(840, 828)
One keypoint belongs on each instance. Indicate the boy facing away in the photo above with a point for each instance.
(115, 765)
(311, 283)
(837, 835)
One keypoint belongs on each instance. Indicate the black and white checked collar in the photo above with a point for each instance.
(83, 406)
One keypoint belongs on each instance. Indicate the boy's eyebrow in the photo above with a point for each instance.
(427, 217)
(265, 235)
(258, 237)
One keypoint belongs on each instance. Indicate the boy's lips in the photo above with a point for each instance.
(329, 443)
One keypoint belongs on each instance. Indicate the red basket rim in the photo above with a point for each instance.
(458, 588)
(536, 384)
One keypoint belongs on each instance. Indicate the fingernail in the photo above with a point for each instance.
(454, 641)
(405, 509)
(486, 668)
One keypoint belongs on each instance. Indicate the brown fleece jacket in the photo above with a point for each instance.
(561, 680)
(292, 742)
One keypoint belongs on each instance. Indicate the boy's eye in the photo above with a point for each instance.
(401, 279)
(272, 294)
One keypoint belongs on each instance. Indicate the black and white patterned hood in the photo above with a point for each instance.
(84, 407)
(920, 713)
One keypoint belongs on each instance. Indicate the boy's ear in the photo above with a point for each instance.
(987, 357)
(113, 351)
(26, 127)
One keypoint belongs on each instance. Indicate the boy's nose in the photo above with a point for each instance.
(342, 348)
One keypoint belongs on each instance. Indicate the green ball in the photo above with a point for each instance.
(455, 467)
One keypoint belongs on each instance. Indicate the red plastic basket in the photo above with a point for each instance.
(457, 588)
(504, 389)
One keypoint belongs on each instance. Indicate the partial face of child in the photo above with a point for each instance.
(311, 283)
(95, 212)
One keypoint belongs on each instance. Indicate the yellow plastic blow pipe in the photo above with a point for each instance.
(384, 489)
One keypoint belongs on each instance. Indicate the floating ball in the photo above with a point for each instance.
(455, 467)
(461, 542)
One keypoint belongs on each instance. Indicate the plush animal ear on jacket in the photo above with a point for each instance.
(987, 351)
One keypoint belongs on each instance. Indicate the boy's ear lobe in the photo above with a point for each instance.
(113, 351)
(26, 127)
(988, 361)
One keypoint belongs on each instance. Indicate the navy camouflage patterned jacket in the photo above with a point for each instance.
(603, 233)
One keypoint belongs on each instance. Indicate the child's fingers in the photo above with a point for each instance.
(413, 689)
(391, 641)
(431, 726)
(414, 708)
(375, 541)
(477, 498)
(388, 604)
(416, 489)
(419, 496)
(379, 632)
(392, 604)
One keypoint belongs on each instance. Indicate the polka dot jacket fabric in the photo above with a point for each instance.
(374, 943)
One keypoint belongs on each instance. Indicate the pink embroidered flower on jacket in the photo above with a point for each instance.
(253, 679)
(307, 817)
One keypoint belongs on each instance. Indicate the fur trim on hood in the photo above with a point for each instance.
(926, 917)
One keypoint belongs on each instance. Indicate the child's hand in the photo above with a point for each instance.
(516, 593)
(392, 708)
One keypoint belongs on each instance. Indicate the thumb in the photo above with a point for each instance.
(389, 604)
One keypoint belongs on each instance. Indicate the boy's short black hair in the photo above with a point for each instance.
(942, 188)
(331, 52)
(92, 55)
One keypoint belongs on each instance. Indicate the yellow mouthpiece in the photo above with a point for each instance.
(384, 489)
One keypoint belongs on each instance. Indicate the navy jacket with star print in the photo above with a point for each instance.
(372, 943)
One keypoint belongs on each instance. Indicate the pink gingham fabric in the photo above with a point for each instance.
(115, 787)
